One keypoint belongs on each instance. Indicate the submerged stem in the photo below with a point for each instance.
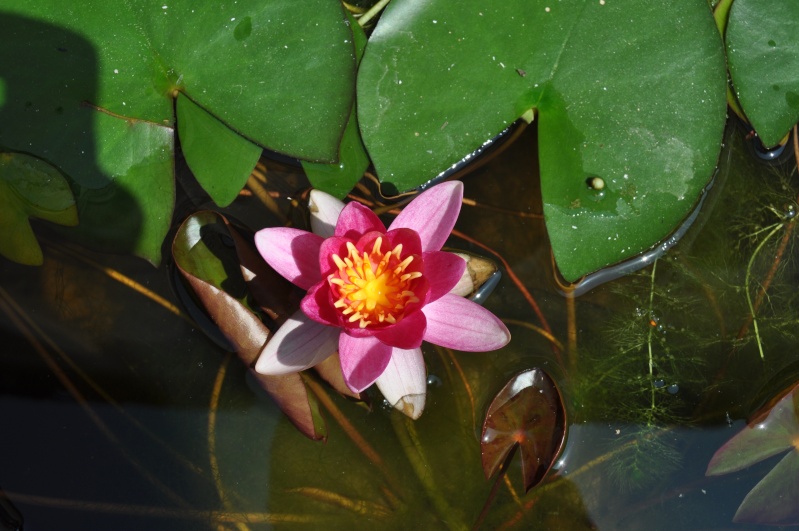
(373, 12)
(752, 307)
(406, 433)
(649, 338)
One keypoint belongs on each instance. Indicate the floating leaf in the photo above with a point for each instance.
(763, 52)
(643, 113)
(339, 178)
(528, 412)
(220, 159)
(29, 187)
(775, 499)
(97, 69)
(198, 250)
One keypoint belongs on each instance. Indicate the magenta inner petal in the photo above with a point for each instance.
(406, 334)
(316, 305)
(355, 220)
(443, 271)
(411, 244)
(329, 247)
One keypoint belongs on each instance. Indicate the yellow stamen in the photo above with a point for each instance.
(373, 287)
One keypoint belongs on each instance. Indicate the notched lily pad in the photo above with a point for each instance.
(30, 187)
(527, 413)
(97, 69)
(775, 429)
(220, 159)
(641, 114)
(204, 253)
(339, 178)
(763, 53)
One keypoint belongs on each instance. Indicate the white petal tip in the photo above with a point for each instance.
(325, 210)
(411, 405)
(272, 367)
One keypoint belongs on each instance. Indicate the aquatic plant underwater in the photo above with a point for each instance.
(366, 201)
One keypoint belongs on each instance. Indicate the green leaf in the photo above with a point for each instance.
(619, 95)
(132, 213)
(253, 65)
(763, 52)
(339, 178)
(220, 159)
(29, 187)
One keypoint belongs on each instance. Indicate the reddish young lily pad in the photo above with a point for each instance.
(528, 412)
(775, 499)
(197, 252)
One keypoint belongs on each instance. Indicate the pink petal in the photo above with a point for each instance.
(404, 382)
(329, 247)
(355, 220)
(411, 244)
(408, 333)
(443, 271)
(293, 253)
(325, 210)
(363, 359)
(460, 324)
(316, 305)
(432, 214)
(298, 344)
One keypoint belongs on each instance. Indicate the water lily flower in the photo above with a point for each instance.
(374, 294)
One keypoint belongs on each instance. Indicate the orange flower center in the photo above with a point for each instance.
(373, 287)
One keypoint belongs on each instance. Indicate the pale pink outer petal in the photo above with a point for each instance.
(404, 382)
(460, 324)
(363, 359)
(432, 214)
(325, 210)
(297, 345)
(293, 253)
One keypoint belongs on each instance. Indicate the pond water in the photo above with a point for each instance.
(121, 413)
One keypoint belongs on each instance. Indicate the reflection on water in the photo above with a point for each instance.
(121, 414)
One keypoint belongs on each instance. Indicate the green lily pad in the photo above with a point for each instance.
(132, 212)
(29, 187)
(763, 52)
(220, 159)
(339, 178)
(255, 66)
(619, 96)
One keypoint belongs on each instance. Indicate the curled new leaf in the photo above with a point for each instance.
(30, 187)
(528, 412)
(210, 266)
